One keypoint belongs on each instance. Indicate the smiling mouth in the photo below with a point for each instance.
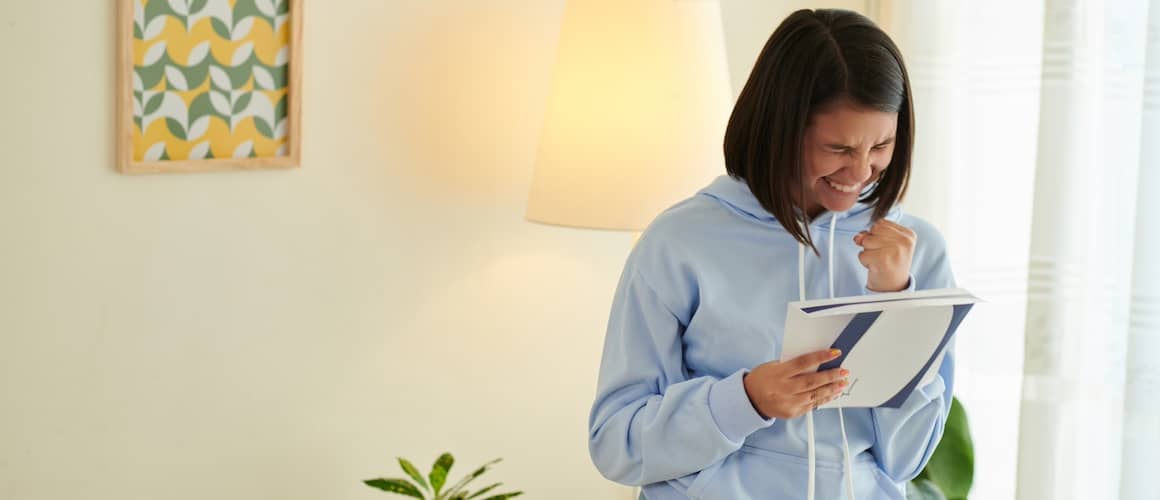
(844, 188)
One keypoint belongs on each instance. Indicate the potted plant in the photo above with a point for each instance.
(951, 469)
(432, 487)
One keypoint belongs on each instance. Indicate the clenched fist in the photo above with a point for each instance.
(888, 249)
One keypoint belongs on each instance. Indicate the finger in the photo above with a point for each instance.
(885, 224)
(810, 362)
(867, 258)
(885, 227)
(876, 241)
(833, 397)
(878, 255)
(820, 396)
(810, 381)
(810, 399)
(824, 394)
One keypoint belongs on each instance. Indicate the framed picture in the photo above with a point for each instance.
(208, 85)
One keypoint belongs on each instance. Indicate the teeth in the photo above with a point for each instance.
(841, 187)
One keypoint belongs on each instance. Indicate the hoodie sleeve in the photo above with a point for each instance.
(906, 437)
(650, 422)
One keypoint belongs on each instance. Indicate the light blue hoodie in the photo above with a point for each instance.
(701, 301)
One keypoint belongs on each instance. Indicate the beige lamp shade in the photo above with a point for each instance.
(636, 116)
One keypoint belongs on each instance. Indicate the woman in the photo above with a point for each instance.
(691, 402)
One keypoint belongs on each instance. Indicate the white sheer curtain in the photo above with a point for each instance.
(1073, 435)
(1141, 452)
(1038, 155)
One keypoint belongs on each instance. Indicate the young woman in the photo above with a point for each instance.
(693, 400)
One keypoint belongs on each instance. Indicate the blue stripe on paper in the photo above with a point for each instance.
(850, 335)
(956, 318)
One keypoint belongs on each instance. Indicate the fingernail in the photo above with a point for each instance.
(843, 383)
(844, 372)
(835, 353)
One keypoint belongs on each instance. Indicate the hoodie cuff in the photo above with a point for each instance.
(909, 287)
(735, 416)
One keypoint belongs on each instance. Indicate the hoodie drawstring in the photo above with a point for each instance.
(848, 470)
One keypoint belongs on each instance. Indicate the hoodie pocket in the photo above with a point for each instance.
(755, 473)
(703, 479)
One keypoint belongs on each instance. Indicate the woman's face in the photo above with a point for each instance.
(845, 149)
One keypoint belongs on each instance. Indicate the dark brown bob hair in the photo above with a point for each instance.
(813, 58)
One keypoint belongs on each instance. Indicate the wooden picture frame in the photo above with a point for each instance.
(208, 85)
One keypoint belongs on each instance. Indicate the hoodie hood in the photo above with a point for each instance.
(735, 194)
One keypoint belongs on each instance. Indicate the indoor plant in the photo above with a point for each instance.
(951, 469)
(432, 487)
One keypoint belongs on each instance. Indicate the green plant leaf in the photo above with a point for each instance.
(175, 128)
(244, 9)
(201, 106)
(243, 102)
(154, 103)
(151, 75)
(471, 477)
(196, 6)
(220, 28)
(952, 466)
(410, 469)
(921, 489)
(154, 9)
(505, 496)
(400, 486)
(263, 128)
(484, 490)
(280, 109)
(439, 471)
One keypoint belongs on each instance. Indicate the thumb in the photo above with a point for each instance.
(859, 237)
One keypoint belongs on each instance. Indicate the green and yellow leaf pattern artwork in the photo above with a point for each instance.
(210, 79)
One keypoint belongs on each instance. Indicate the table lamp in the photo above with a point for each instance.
(636, 115)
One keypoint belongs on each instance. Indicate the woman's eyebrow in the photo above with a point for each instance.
(838, 145)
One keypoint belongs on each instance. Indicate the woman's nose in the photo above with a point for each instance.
(862, 169)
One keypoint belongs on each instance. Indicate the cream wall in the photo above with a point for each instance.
(285, 334)
(748, 24)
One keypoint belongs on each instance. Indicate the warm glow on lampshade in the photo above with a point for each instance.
(639, 100)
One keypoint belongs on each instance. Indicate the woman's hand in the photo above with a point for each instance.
(789, 389)
(889, 248)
